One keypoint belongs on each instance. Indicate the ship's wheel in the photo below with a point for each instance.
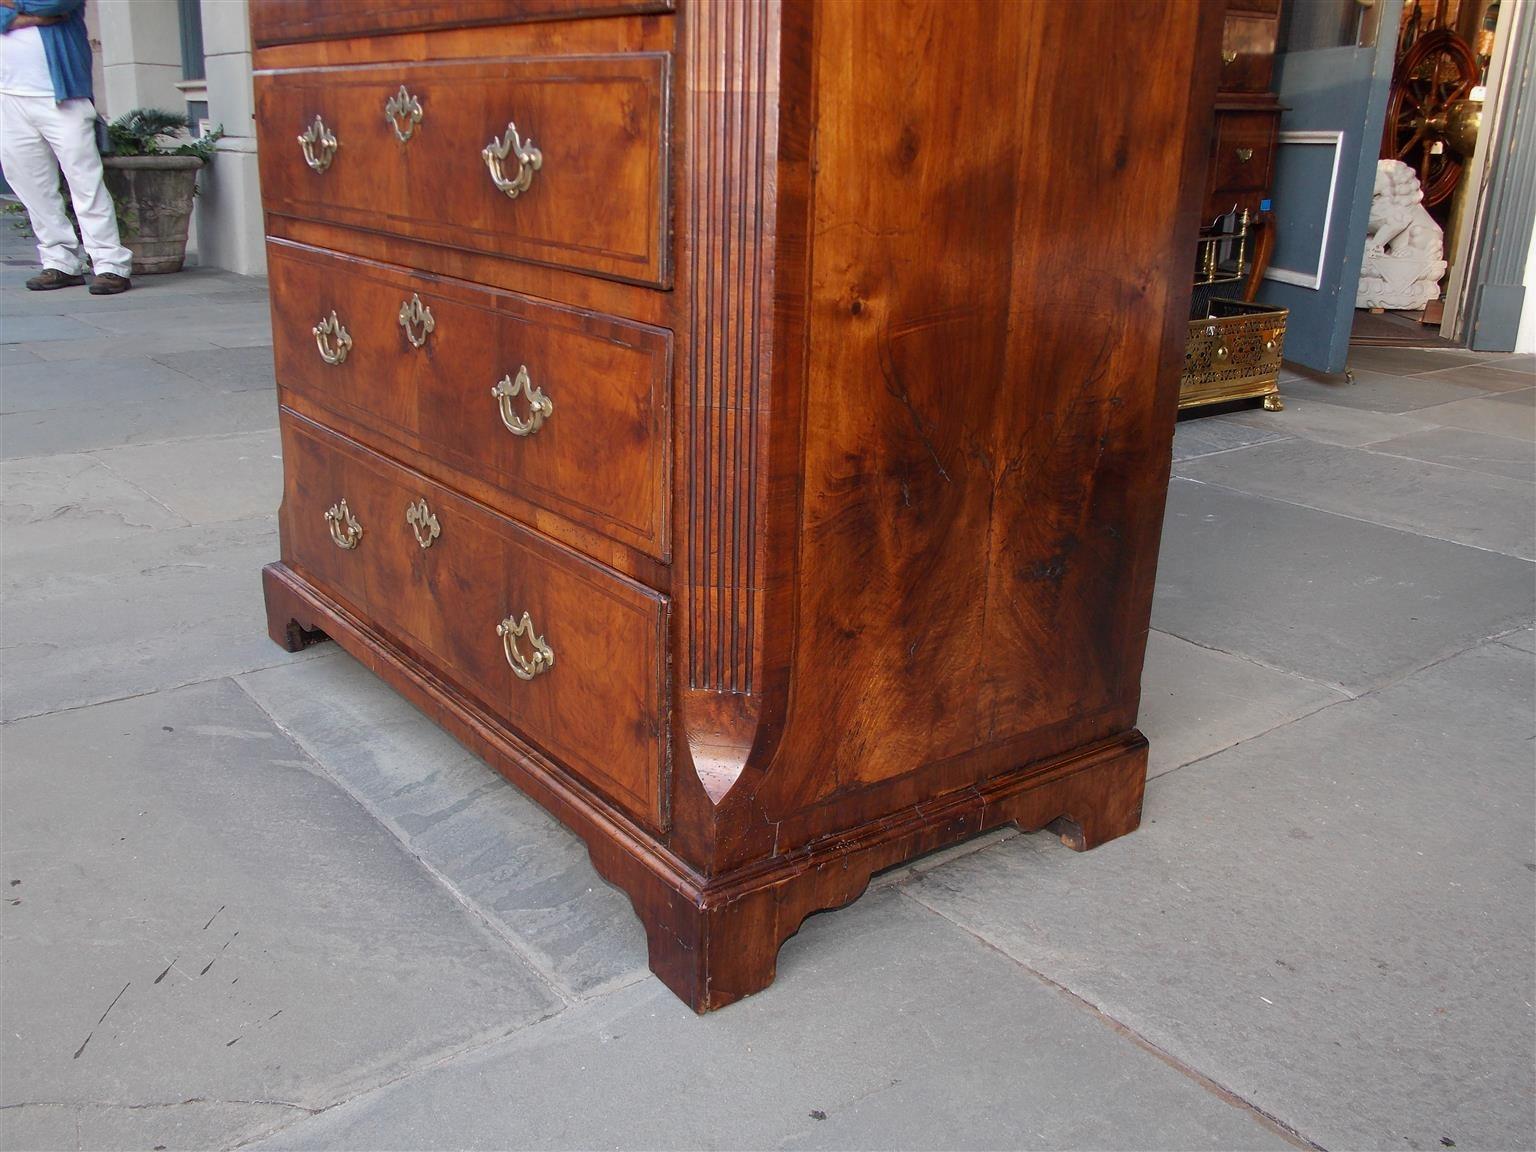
(1436, 72)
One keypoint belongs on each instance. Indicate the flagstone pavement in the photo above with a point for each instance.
(257, 899)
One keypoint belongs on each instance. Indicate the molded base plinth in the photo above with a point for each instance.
(714, 940)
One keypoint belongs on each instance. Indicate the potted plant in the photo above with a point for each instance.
(151, 172)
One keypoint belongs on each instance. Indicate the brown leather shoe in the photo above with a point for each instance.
(50, 278)
(110, 284)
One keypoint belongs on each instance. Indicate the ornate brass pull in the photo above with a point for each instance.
(540, 406)
(345, 529)
(415, 317)
(423, 522)
(333, 340)
(319, 144)
(1229, 55)
(524, 667)
(529, 160)
(403, 111)
(1244, 155)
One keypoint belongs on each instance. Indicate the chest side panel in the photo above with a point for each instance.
(993, 345)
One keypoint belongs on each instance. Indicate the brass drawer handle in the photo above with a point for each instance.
(319, 144)
(423, 522)
(1244, 155)
(345, 529)
(403, 111)
(1228, 56)
(332, 338)
(529, 160)
(524, 667)
(540, 406)
(417, 321)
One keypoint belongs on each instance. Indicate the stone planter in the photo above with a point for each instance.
(153, 195)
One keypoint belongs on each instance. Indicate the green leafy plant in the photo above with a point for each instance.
(20, 223)
(140, 133)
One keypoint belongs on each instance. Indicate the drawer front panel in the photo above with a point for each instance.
(1243, 151)
(314, 484)
(287, 21)
(439, 573)
(594, 200)
(581, 428)
(1247, 53)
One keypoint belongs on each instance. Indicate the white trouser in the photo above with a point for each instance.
(37, 138)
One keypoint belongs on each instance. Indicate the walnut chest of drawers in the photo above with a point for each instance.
(746, 424)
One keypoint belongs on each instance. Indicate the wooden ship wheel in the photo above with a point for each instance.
(1428, 112)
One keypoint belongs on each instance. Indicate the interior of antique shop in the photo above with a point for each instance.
(1351, 186)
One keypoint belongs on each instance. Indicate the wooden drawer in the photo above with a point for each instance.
(313, 480)
(598, 459)
(597, 201)
(598, 708)
(1247, 52)
(1242, 151)
(287, 21)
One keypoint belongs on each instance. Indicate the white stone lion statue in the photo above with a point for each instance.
(1404, 247)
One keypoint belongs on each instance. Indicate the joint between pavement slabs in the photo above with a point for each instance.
(1215, 1088)
(499, 930)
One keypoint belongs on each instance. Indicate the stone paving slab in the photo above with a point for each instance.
(106, 384)
(887, 1028)
(1501, 413)
(145, 302)
(1484, 511)
(1461, 448)
(73, 499)
(1333, 920)
(1412, 361)
(84, 623)
(1329, 423)
(230, 369)
(193, 913)
(46, 328)
(1195, 701)
(1338, 600)
(208, 480)
(184, 314)
(194, 1124)
(1203, 436)
(103, 347)
(1378, 392)
(86, 429)
(1500, 376)
(500, 849)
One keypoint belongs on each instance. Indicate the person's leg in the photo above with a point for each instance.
(71, 133)
(33, 174)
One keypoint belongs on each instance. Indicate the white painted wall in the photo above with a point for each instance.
(140, 56)
(229, 214)
(98, 78)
